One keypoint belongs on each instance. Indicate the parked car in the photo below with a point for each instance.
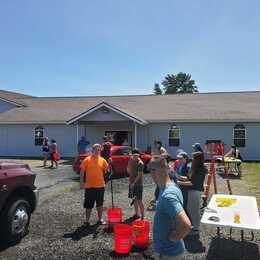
(18, 200)
(120, 156)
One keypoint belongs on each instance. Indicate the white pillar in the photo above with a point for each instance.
(135, 135)
(77, 132)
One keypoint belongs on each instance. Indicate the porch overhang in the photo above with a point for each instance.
(129, 116)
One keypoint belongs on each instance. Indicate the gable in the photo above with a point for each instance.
(5, 106)
(104, 114)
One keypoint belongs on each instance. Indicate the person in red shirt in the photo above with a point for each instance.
(92, 173)
(106, 148)
(53, 150)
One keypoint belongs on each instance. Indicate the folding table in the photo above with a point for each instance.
(244, 206)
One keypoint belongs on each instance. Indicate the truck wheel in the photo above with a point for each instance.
(16, 219)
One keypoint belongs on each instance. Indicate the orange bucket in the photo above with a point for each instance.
(123, 238)
(141, 231)
(114, 215)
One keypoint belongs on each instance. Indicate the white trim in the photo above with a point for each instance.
(108, 106)
(11, 102)
(202, 121)
(77, 133)
(135, 135)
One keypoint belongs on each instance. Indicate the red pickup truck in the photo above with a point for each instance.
(18, 199)
(120, 156)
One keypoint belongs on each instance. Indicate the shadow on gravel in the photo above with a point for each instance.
(83, 231)
(4, 245)
(194, 245)
(228, 249)
(135, 252)
(230, 176)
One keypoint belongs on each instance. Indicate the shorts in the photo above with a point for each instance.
(93, 195)
(137, 192)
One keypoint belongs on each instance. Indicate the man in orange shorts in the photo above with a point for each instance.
(92, 173)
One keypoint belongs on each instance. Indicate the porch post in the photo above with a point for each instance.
(77, 132)
(135, 135)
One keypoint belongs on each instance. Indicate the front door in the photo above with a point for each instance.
(120, 137)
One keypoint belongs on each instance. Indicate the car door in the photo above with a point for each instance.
(120, 158)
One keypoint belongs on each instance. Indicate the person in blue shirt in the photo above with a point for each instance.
(82, 145)
(171, 224)
(181, 170)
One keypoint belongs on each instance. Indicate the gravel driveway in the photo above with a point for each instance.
(56, 231)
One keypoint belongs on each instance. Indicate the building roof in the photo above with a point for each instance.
(13, 97)
(200, 107)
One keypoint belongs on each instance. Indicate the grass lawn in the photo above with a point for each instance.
(251, 176)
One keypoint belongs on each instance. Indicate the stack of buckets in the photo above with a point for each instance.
(126, 236)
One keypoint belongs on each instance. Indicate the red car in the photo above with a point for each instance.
(18, 200)
(120, 156)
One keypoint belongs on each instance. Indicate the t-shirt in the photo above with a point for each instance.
(135, 167)
(170, 203)
(53, 148)
(95, 167)
(182, 170)
(197, 179)
(105, 153)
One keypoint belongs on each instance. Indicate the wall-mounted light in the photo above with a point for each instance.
(173, 126)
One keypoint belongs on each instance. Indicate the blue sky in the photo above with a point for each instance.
(117, 47)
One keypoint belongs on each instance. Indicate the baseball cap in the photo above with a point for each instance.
(135, 151)
(182, 155)
(197, 147)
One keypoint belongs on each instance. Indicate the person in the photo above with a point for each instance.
(197, 147)
(171, 224)
(92, 173)
(82, 145)
(160, 150)
(235, 153)
(195, 182)
(135, 169)
(53, 150)
(45, 150)
(106, 148)
(181, 170)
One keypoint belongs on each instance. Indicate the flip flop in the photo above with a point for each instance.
(101, 222)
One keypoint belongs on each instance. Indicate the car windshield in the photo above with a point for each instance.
(123, 151)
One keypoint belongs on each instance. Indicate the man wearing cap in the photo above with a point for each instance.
(171, 224)
(197, 147)
(135, 169)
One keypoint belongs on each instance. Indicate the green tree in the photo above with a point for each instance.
(157, 90)
(179, 83)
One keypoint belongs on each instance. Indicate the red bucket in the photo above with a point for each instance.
(114, 215)
(123, 238)
(141, 231)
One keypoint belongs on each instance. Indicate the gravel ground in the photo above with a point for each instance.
(56, 230)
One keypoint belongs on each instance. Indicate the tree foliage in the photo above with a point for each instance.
(157, 90)
(179, 83)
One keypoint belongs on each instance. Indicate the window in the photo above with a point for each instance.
(239, 135)
(38, 135)
(174, 136)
